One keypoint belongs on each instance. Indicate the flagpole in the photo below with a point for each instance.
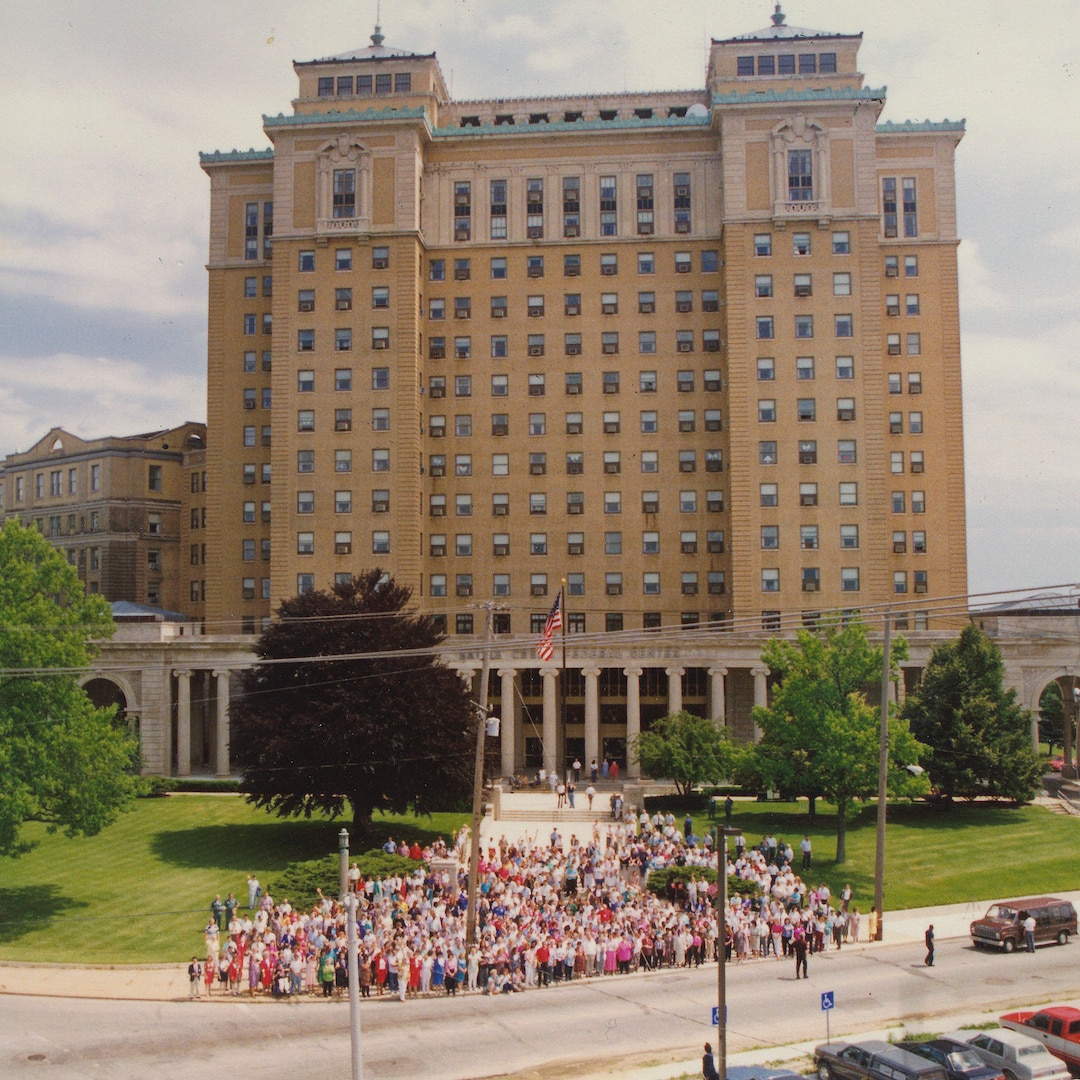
(562, 676)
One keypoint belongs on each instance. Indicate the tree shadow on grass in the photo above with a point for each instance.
(27, 909)
(273, 844)
(250, 846)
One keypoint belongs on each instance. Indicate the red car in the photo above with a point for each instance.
(1056, 764)
(1056, 1027)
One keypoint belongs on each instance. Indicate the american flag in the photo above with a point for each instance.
(545, 647)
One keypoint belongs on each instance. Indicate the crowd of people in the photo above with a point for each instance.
(549, 910)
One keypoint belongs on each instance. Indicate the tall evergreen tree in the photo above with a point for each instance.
(334, 723)
(978, 738)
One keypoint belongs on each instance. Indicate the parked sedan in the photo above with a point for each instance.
(1017, 1056)
(959, 1060)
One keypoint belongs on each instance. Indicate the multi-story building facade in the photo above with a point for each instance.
(113, 505)
(696, 354)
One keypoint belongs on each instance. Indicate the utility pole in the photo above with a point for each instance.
(478, 784)
(883, 776)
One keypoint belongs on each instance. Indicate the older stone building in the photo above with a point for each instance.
(114, 506)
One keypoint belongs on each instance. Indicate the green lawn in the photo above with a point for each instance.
(932, 855)
(140, 892)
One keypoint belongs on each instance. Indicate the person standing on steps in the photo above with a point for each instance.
(928, 937)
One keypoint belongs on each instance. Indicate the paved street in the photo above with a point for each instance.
(626, 1022)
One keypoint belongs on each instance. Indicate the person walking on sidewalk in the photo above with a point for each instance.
(195, 979)
(928, 937)
(708, 1065)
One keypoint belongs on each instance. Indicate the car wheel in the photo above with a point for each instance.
(1063, 937)
(824, 1072)
(1009, 946)
(1009, 1074)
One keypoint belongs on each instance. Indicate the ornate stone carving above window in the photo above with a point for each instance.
(343, 185)
(800, 168)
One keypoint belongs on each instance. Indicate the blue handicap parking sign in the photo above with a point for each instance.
(827, 1001)
(716, 1015)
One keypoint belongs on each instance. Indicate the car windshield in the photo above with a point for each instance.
(1002, 911)
(964, 1060)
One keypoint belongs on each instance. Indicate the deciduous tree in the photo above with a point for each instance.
(349, 703)
(820, 737)
(686, 749)
(62, 761)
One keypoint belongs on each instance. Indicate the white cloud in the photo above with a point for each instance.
(91, 396)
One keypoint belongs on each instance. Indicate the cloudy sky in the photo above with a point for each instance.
(103, 207)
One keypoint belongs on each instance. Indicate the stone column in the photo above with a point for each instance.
(717, 697)
(183, 721)
(761, 692)
(633, 718)
(674, 688)
(551, 716)
(221, 756)
(592, 714)
(508, 730)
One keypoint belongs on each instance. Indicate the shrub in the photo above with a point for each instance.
(670, 881)
(694, 803)
(300, 882)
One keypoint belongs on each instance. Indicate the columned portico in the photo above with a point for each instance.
(761, 692)
(717, 698)
(674, 692)
(551, 716)
(183, 721)
(633, 718)
(221, 754)
(508, 729)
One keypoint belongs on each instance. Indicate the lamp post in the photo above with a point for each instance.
(722, 834)
(350, 901)
(883, 778)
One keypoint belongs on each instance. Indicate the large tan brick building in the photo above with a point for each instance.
(696, 352)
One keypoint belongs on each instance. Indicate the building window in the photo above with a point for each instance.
(849, 537)
(849, 579)
(849, 493)
(767, 494)
(808, 494)
(770, 580)
(764, 327)
(534, 208)
(608, 206)
(804, 326)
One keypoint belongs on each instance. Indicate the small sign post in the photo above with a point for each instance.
(828, 1003)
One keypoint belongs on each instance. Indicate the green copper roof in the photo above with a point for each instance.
(831, 93)
(218, 157)
(890, 126)
(350, 116)
(562, 126)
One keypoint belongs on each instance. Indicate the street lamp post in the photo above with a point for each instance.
(722, 834)
(350, 901)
